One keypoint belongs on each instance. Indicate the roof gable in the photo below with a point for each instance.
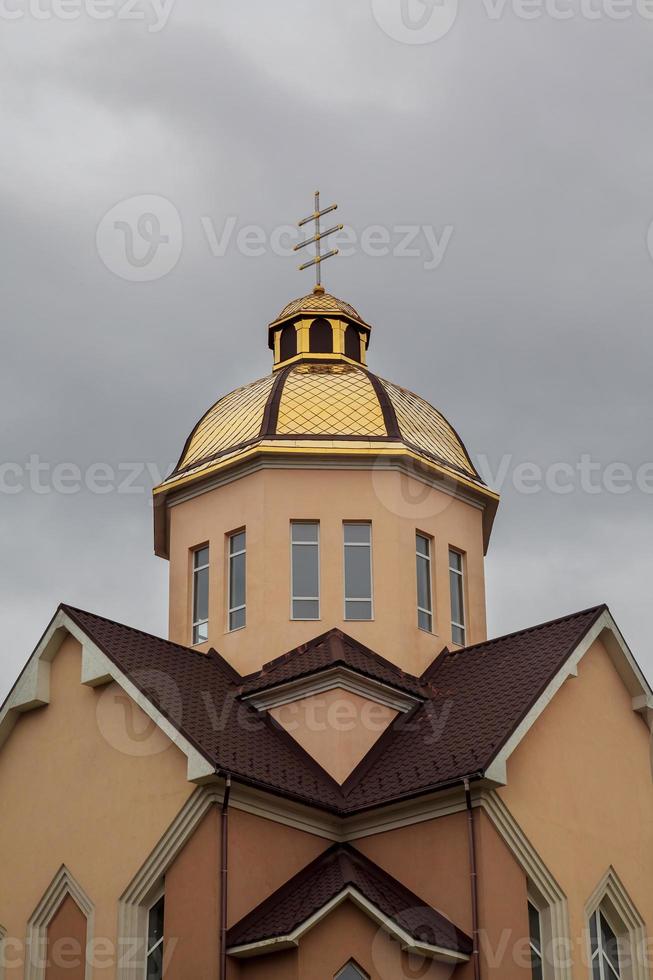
(471, 708)
(342, 872)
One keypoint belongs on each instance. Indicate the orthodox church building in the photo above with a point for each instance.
(327, 770)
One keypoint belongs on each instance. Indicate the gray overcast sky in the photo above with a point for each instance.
(524, 145)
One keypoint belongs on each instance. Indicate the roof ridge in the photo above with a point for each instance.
(300, 648)
(522, 632)
(345, 640)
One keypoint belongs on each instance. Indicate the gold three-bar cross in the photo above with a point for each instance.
(316, 240)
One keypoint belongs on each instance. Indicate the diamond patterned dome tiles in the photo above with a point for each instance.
(318, 303)
(424, 427)
(334, 399)
(234, 419)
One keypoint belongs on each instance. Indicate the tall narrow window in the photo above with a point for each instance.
(305, 569)
(154, 969)
(201, 595)
(605, 949)
(456, 579)
(288, 342)
(237, 580)
(424, 588)
(352, 343)
(358, 571)
(321, 337)
(535, 929)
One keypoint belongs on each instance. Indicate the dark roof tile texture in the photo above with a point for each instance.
(321, 881)
(475, 698)
(480, 695)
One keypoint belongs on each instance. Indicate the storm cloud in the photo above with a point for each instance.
(518, 153)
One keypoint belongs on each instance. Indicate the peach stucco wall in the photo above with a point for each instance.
(580, 786)
(70, 796)
(263, 855)
(265, 502)
(66, 938)
(337, 728)
(432, 859)
(192, 910)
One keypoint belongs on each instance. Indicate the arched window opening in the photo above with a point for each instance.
(352, 343)
(604, 942)
(288, 343)
(351, 972)
(321, 337)
(616, 933)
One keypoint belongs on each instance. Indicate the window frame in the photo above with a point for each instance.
(304, 598)
(357, 544)
(230, 557)
(611, 898)
(462, 576)
(354, 965)
(195, 569)
(158, 896)
(428, 560)
(606, 968)
(536, 951)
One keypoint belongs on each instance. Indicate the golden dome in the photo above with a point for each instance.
(322, 404)
(331, 408)
(318, 303)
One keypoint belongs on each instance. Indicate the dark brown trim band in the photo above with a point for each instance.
(271, 413)
(388, 409)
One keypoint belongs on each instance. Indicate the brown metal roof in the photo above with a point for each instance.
(338, 868)
(475, 699)
(332, 649)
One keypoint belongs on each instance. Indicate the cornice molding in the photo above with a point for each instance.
(604, 629)
(408, 943)
(329, 680)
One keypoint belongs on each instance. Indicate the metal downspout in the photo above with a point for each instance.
(224, 875)
(473, 874)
